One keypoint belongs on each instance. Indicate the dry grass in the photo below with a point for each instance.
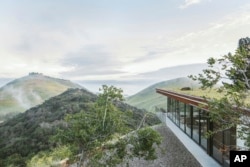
(209, 94)
(212, 93)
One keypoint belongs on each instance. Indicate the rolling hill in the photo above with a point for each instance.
(26, 92)
(148, 98)
(28, 133)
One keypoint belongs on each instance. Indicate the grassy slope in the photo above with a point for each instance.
(148, 98)
(29, 132)
(26, 92)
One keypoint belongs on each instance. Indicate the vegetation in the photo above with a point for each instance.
(28, 133)
(29, 91)
(101, 135)
(149, 100)
(26, 137)
(233, 71)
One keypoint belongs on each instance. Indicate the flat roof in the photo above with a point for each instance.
(193, 100)
(188, 99)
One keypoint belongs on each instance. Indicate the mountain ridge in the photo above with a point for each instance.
(29, 132)
(29, 91)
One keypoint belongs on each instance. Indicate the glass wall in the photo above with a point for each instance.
(191, 119)
(196, 124)
(194, 121)
(217, 144)
(170, 107)
(182, 108)
(204, 128)
(177, 113)
(189, 110)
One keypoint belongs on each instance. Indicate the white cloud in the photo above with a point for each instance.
(188, 3)
(125, 46)
(216, 40)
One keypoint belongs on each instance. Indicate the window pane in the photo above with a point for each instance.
(182, 115)
(177, 113)
(170, 108)
(217, 144)
(188, 120)
(196, 123)
(204, 127)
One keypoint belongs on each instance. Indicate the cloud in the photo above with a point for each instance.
(82, 42)
(91, 60)
(132, 84)
(215, 40)
(188, 3)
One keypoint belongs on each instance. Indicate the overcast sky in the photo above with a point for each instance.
(115, 40)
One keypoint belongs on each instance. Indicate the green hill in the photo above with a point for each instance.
(28, 133)
(148, 98)
(26, 92)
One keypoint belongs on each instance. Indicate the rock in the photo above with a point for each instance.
(245, 42)
(64, 162)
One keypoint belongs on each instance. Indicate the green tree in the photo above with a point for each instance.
(15, 160)
(102, 135)
(232, 71)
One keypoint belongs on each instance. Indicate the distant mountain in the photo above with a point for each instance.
(175, 72)
(26, 92)
(28, 133)
(148, 99)
(143, 80)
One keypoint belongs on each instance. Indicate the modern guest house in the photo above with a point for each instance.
(189, 113)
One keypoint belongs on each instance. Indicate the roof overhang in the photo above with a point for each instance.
(193, 100)
(187, 99)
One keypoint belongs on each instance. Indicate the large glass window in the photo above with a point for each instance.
(182, 108)
(194, 121)
(196, 124)
(217, 144)
(189, 119)
(170, 108)
(173, 109)
(204, 127)
(177, 113)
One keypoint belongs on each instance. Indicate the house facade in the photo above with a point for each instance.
(189, 113)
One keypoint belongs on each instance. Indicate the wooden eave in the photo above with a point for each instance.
(187, 99)
(193, 100)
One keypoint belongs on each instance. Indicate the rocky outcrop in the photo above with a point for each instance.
(245, 42)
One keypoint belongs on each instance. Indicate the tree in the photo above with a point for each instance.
(103, 135)
(232, 71)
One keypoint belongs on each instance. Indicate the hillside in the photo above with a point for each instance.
(29, 91)
(148, 98)
(28, 133)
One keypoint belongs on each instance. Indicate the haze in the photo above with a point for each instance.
(119, 42)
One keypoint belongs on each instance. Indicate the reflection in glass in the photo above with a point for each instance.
(182, 108)
(204, 125)
(217, 144)
(170, 108)
(196, 124)
(188, 120)
(177, 113)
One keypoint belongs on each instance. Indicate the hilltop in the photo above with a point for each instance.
(148, 98)
(29, 91)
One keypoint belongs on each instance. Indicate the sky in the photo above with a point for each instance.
(95, 42)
